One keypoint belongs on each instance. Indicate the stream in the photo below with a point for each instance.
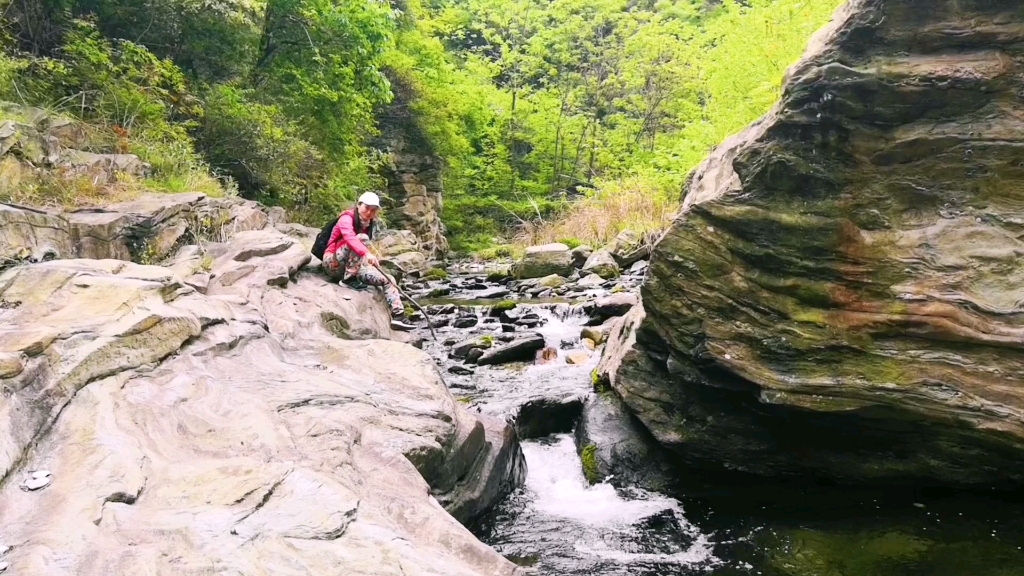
(559, 524)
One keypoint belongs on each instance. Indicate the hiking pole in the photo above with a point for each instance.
(410, 299)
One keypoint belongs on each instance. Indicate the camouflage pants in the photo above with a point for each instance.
(346, 266)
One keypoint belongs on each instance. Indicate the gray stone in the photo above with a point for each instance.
(540, 261)
(544, 416)
(603, 264)
(624, 453)
(275, 417)
(522, 348)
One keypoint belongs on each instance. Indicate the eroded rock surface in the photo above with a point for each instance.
(265, 424)
(842, 293)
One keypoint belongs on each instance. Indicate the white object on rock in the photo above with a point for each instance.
(36, 483)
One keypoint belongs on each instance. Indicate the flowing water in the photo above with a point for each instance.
(558, 524)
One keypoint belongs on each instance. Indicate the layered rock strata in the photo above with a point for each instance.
(842, 292)
(232, 413)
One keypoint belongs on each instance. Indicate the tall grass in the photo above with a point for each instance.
(629, 204)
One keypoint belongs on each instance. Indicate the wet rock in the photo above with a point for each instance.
(589, 344)
(614, 445)
(851, 299)
(541, 261)
(552, 281)
(508, 328)
(577, 357)
(522, 348)
(473, 355)
(465, 322)
(461, 349)
(580, 255)
(545, 416)
(602, 264)
(439, 292)
(596, 335)
(461, 370)
(612, 306)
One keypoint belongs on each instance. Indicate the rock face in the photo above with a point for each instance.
(143, 230)
(264, 421)
(414, 175)
(841, 294)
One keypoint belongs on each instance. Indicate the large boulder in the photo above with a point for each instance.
(603, 264)
(266, 423)
(541, 261)
(841, 294)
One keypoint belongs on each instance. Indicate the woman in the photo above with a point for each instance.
(347, 258)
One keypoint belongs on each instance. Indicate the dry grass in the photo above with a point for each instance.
(598, 218)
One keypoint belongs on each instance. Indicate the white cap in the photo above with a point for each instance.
(370, 199)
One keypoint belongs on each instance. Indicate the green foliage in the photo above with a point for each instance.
(588, 457)
(435, 274)
(258, 147)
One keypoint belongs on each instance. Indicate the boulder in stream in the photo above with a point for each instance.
(841, 294)
(541, 261)
(520, 349)
(603, 264)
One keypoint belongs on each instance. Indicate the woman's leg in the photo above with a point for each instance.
(333, 267)
(373, 277)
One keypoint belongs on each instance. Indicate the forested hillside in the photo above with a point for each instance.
(565, 119)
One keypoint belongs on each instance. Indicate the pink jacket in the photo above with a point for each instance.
(344, 234)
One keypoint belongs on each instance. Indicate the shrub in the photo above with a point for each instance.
(258, 147)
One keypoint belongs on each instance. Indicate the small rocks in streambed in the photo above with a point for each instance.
(440, 322)
(461, 370)
(579, 357)
(37, 480)
(507, 328)
(441, 309)
(547, 356)
(473, 356)
(505, 337)
(567, 344)
(450, 341)
(543, 416)
(522, 348)
(439, 292)
(465, 322)
(462, 349)
(588, 343)
(591, 281)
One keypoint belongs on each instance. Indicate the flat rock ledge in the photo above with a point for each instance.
(231, 413)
